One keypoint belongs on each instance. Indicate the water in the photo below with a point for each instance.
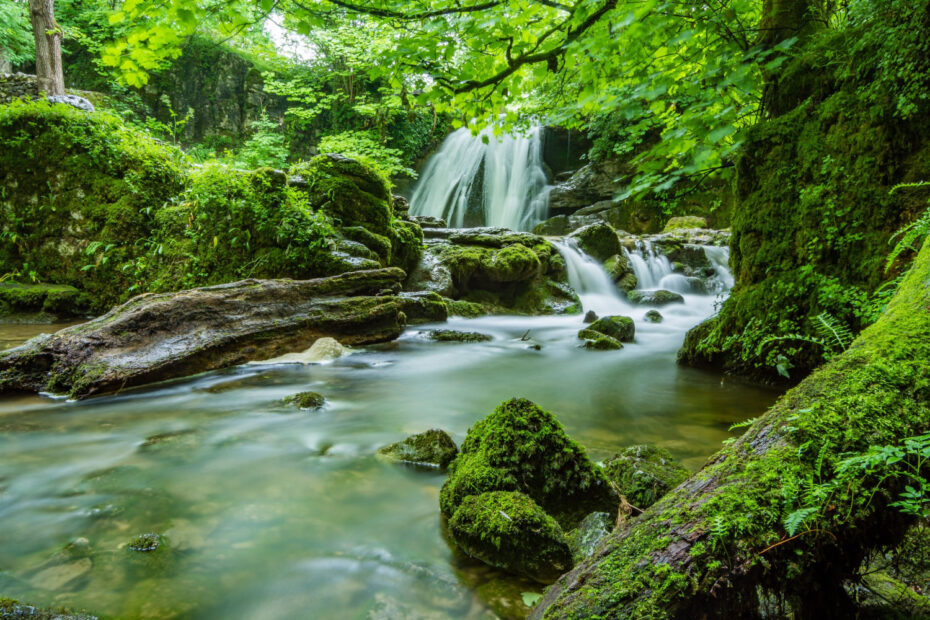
(470, 182)
(274, 513)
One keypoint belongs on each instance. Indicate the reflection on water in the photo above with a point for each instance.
(13, 334)
(269, 512)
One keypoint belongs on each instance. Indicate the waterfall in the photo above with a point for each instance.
(587, 277)
(650, 266)
(485, 180)
(719, 257)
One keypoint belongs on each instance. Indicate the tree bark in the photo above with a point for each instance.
(717, 546)
(47, 34)
(783, 20)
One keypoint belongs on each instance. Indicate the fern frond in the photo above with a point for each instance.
(913, 232)
(832, 331)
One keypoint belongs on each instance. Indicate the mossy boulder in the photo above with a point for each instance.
(643, 474)
(596, 341)
(618, 327)
(620, 270)
(474, 266)
(510, 531)
(659, 297)
(452, 335)
(598, 240)
(431, 448)
(424, 307)
(654, 316)
(521, 447)
(11, 609)
(685, 221)
(311, 401)
(43, 300)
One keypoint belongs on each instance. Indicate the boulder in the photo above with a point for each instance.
(306, 400)
(154, 337)
(599, 240)
(654, 316)
(430, 274)
(618, 327)
(583, 539)
(643, 474)
(520, 447)
(423, 307)
(659, 297)
(510, 531)
(596, 341)
(431, 448)
(686, 221)
(590, 316)
(452, 335)
(620, 270)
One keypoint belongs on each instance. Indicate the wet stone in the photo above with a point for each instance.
(145, 543)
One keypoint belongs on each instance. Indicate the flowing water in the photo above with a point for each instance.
(485, 180)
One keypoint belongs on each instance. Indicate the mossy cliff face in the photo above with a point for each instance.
(811, 228)
(718, 545)
(96, 205)
(521, 447)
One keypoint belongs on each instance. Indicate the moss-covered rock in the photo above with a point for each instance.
(643, 474)
(424, 307)
(620, 270)
(145, 543)
(433, 448)
(11, 609)
(598, 240)
(685, 221)
(452, 335)
(596, 341)
(659, 297)
(521, 447)
(618, 327)
(508, 530)
(654, 316)
(49, 300)
(593, 528)
(306, 400)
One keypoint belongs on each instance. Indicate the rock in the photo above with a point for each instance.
(590, 184)
(620, 270)
(433, 447)
(428, 221)
(643, 474)
(14, 610)
(583, 539)
(467, 309)
(597, 341)
(598, 240)
(322, 350)
(451, 335)
(658, 297)
(401, 205)
(510, 531)
(72, 100)
(154, 337)
(686, 221)
(145, 543)
(424, 307)
(618, 327)
(57, 301)
(590, 316)
(520, 447)
(306, 400)
(654, 316)
(430, 275)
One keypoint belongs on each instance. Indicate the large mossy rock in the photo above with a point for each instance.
(598, 240)
(508, 530)
(42, 301)
(811, 227)
(643, 474)
(520, 447)
(620, 327)
(154, 337)
(431, 448)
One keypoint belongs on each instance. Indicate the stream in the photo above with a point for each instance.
(269, 512)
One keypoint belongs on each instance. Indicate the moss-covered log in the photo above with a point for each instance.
(717, 546)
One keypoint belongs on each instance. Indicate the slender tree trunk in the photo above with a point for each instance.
(717, 546)
(48, 47)
(783, 20)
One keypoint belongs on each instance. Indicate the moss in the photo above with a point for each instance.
(597, 341)
(145, 543)
(55, 300)
(522, 447)
(407, 242)
(684, 222)
(451, 335)
(618, 327)
(508, 530)
(598, 240)
(643, 474)
(654, 316)
(464, 308)
(583, 540)
(660, 297)
(306, 400)
(433, 447)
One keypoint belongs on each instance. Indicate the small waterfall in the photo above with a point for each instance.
(485, 181)
(719, 257)
(587, 277)
(650, 266)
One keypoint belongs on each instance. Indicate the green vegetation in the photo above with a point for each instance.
(306, 400)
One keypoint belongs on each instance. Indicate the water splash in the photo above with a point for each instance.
(587, 277)
(649, 265)
(470, 182)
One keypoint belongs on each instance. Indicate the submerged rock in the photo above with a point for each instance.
(654, 316)
(433, 447)
(520, 447)
(510, 531)
(145, 543)
(643, 474)
(154, 337)
(583, 539)
(597, 341)
(306, 400)
(659, 297)
(451, 335)
(14, 610)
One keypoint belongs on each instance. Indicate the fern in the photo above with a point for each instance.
(796, 519)
(831, 331)
(913, 232)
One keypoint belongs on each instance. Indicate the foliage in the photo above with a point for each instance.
(16, 42)
(915, 232)
(363, 146)
(266, 146)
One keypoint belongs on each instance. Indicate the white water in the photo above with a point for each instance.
(649, 265)
(513, 189)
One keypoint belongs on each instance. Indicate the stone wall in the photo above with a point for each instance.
(14, 85)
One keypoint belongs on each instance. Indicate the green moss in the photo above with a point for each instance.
(598, 240)
(508, 530)
(451, 335)
(433, 447)
(522, 447)
(618, 327)
(660, 297)
(599, 342)
(643, 474)
(56, 300)
(145, 543)
(464, 308)
(306, 400)
(684, 222)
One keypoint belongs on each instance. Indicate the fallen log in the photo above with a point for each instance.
(161, 336)
(720, 546)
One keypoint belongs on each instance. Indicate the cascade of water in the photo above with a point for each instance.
(500, 182)
(649, 265)
(587, 277)
(719, 257)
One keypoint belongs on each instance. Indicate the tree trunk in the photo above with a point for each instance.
(782, 20)
(48, 47)
(717, 546)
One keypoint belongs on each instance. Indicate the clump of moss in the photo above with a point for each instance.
(306, 400)
(596, 341)
(145, 543)
(685, 221)
(520, 447)
(643, 474)
(452, 335)
(53, 300)
(433, 447)
(618, 327)
(510, 531)
(598, 240)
